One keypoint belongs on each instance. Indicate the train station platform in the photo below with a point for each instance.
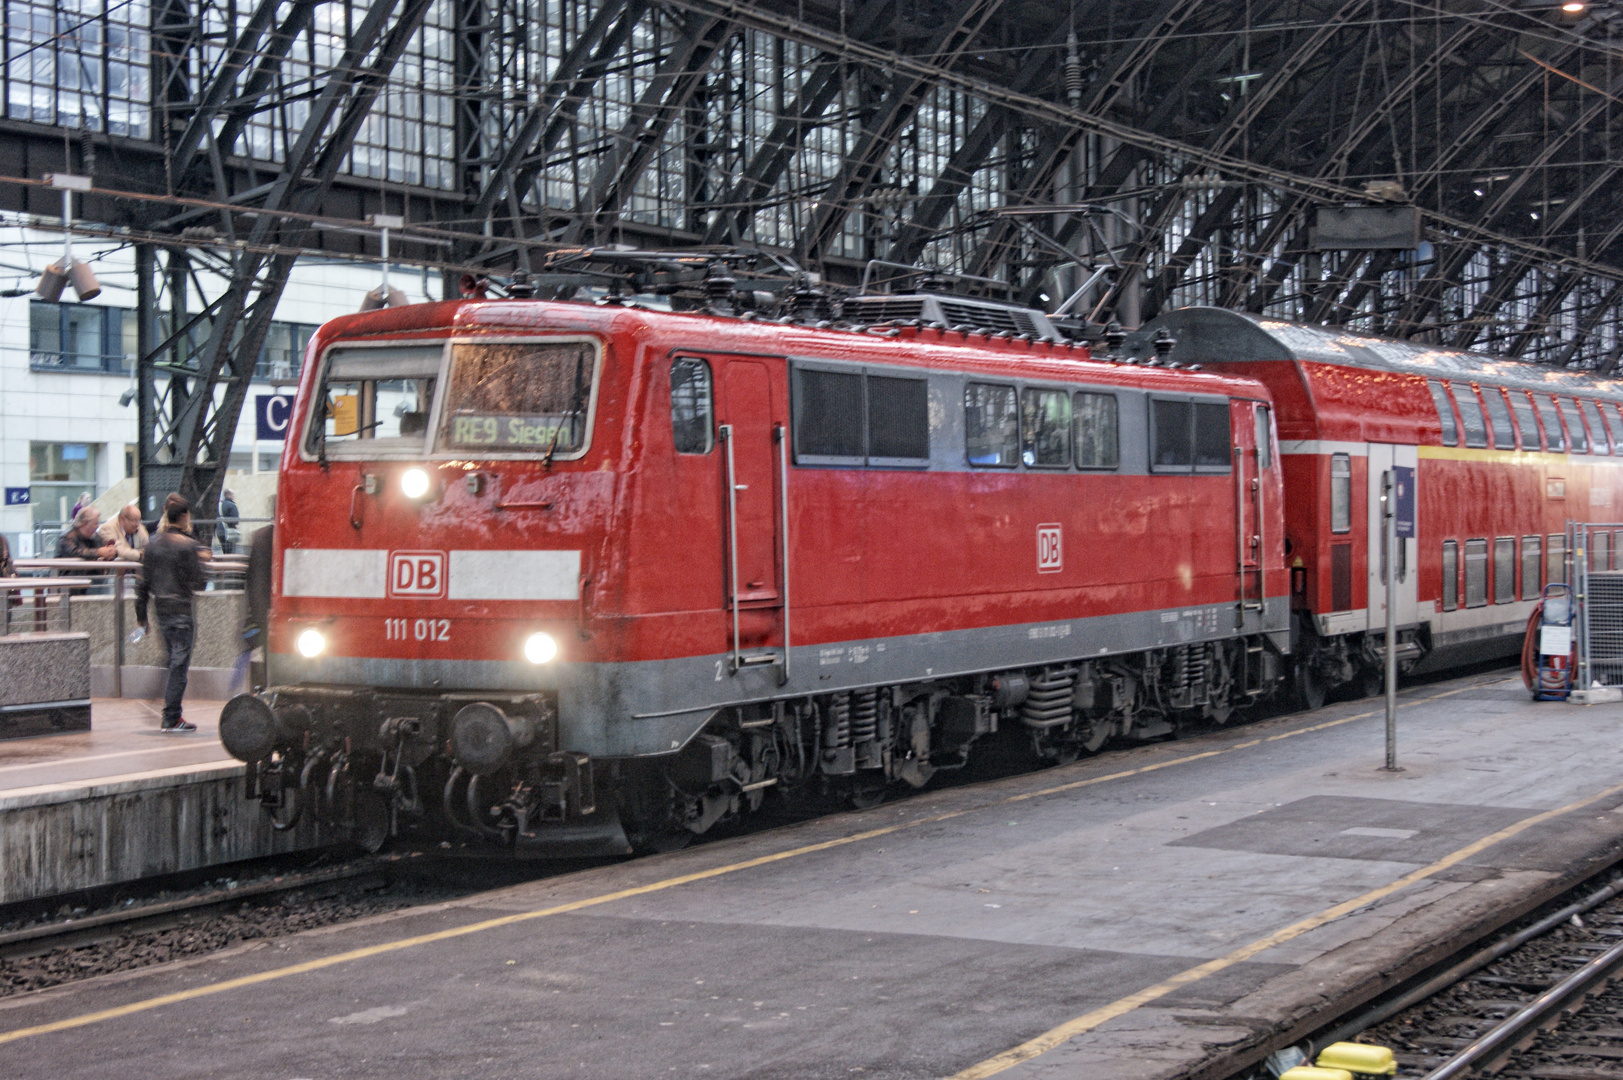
(124, 801)
(1173, 910)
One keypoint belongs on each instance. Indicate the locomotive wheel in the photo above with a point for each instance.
(869, 794)
(1098, 734)
(1371, 682)
(371, 830)
(1309, 688)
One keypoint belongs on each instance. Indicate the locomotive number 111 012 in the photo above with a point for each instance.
(417, 629)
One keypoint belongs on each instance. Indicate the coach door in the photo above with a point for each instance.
(1249, 422)
(750, 461)
(1382, 458)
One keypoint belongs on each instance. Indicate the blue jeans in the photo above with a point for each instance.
(178, 632)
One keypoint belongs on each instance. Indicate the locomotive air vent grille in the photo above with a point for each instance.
(987, 317)
(883, 308)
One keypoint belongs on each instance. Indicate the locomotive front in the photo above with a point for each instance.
(438, 513)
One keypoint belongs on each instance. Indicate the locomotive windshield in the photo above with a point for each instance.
(519, 397)
(375, 401)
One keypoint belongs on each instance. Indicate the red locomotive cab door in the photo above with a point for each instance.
(748, 461)
(1250, 423)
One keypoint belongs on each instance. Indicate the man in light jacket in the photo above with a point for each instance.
(126, 533)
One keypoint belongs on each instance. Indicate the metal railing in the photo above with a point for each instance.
(1597, 589)
(224, 572)
(37, 605)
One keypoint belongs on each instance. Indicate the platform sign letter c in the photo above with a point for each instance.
(1050, 549)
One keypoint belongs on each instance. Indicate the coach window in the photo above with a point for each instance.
(1098, 431)
(1523, 406)
(1553, 438)
(1265, 437)
(828, 417)
(1575, 426)
(692, 413)
(1555, 558)
(1504, 438)
(1451, 575)
(1532, 563)
(1476, 573)
(1613, 425)
(991, 425)
(1504, 570)
(1045, 428)
(1597, 428)
(1476, 430)
(1340, 493)
(1445, 412)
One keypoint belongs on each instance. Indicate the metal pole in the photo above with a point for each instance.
(1389, 533)
(118, 631)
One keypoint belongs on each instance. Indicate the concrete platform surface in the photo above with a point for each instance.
(125, 801)
(1158, 912)
(124, 739)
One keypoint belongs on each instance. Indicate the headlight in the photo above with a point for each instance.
(311, 643)
(414, 483)
(540, 648)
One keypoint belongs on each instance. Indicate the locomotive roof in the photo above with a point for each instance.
(1210, 335)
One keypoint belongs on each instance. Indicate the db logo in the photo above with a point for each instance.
(1050, 554)
(417, 574)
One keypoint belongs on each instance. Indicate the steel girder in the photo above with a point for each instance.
(185, 446)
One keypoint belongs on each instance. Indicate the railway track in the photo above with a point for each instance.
(1542, 1001)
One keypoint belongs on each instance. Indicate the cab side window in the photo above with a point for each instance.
(692, 409)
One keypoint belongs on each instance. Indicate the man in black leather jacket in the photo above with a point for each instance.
(170, 573)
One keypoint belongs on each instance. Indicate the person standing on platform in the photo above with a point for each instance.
(170, 573)
(126, 533)
(225, 528)
(81, 541)
(7, 567)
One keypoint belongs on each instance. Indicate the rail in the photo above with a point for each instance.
(224, 571)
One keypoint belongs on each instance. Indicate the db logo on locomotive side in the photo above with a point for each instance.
(419, 575)
(1050, 552)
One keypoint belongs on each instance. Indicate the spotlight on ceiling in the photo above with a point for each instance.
(1573, 8)
(52, 280)
(384, 296)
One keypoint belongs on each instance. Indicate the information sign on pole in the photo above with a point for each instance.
(17, 496)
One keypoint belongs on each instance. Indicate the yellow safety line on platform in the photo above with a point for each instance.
(1069, 1030)
(86, 1019)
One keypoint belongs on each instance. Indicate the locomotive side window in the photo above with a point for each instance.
(1340, 493)
(1476, 429)
(1189, 435)
(519, 397)
(829, 417)
(1575, 426)
(1212, 445)
(1504, 570)
(1532, 563)
(1523, 406)
(1045, 428)
(1555, 558)
(1451, 575)
(1098, 428)
(1552, 423)
(1476, 573)
(991, 425)
(1504, 438)
(692, 409)
(374, 401)
(1597, 428)
(1173, 424)
(898, 421)
(1265, 437)
(1445, 412)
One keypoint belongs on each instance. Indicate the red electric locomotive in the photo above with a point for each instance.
(1503, 453)
(581, 577)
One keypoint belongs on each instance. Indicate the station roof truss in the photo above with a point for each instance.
(1161, 153)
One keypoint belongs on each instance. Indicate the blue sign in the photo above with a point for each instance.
(272, 412)
(1403, 482)
(17, 497)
